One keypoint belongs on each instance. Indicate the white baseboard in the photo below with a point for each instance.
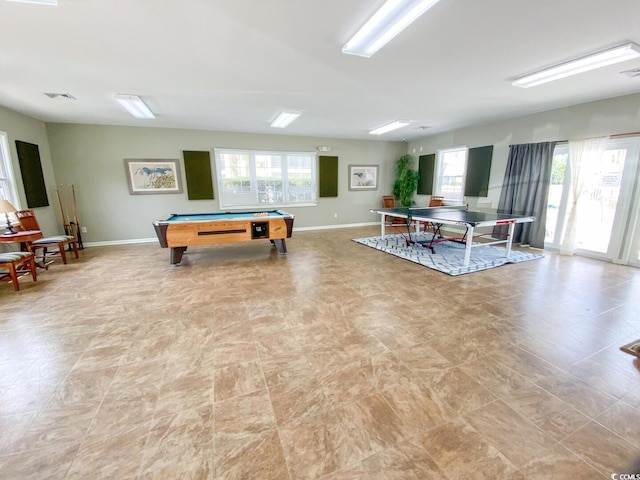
(155, 240)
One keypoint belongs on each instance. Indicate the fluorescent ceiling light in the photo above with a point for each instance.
(134, 105)
(393, 17)
(40, 2)
(388, 127)
(583, 64)
(284, 119)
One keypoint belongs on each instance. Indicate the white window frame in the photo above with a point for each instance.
(8, 187)
(250, 197)
(439, 174)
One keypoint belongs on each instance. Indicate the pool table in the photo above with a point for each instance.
(180, 231)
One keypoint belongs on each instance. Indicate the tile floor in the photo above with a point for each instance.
(333, 362)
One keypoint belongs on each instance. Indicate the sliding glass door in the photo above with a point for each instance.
(607, 226)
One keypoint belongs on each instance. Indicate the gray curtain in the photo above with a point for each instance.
(525, 190)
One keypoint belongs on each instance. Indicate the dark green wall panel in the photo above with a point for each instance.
(32, 176)
(426, 169)
(478, 171)
(328, 176)
(197, 171)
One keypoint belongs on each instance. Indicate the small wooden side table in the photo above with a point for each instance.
(24, 238)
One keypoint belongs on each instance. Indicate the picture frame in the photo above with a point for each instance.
(153, 176)
(363, 177)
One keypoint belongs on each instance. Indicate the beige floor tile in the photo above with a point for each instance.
(461, 392)
(605, 378)
(238, 379)
(318, 445)
(559, 463)
(601, 448)
(461, 452)
(555, 417)
(297, 397)
(334, 362)
(518, 439)
(407, 461)
(51, 463)
(623, 420)
(243, 456)
(494, 376)
(418, 407)
(180, 445)
(633, 398)
(353, 473)
(116, 456)
(577, 393)
(372, 425)
(280, 368)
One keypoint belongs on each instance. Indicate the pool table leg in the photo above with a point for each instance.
(176, 254)
(280, 245)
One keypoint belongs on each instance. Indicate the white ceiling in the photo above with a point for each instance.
(232, 65)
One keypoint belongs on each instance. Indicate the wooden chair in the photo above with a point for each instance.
(28, 221)
(11, 262)
(436, 201)
(389, 201)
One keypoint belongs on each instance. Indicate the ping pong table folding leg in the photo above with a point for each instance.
(512, 226)
(469, 243)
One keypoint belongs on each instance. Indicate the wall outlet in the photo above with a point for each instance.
(83, 229)
(335, 215)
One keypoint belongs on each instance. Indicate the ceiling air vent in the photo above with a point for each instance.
(632, 73)
(68, 96)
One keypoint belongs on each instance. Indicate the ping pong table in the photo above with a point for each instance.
(436, 217)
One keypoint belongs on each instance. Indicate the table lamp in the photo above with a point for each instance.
(7, 208)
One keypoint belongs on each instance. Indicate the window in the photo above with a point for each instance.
(451, 169)
(8, 189)
(248, 178)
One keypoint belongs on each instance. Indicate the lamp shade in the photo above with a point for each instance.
(6, 207)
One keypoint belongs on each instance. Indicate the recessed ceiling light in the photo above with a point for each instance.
(134, 105)
(389, 126)
(617, 54)
(284, 119)
(393, 17)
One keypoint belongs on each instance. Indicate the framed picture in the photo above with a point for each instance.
(363, 177)
(153, 176)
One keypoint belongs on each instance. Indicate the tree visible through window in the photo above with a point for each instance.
(248, 178)
(450, 173)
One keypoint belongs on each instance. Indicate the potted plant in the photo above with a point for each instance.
(406, 182)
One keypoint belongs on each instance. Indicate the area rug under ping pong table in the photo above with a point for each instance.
(449, 256)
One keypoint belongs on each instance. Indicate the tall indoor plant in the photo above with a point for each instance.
(406, 182)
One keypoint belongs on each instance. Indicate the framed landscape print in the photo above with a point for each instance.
(153, 176)
(363, 177)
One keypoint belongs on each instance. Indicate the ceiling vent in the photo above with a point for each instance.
(68, 96)
(632, 73)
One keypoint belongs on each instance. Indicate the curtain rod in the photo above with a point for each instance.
(616, 135)
(622, 135)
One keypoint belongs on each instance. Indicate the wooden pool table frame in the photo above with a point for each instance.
(180, 234)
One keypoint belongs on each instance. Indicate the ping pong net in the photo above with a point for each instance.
(421, 218)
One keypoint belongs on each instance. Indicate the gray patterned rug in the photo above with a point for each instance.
(448, 256)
